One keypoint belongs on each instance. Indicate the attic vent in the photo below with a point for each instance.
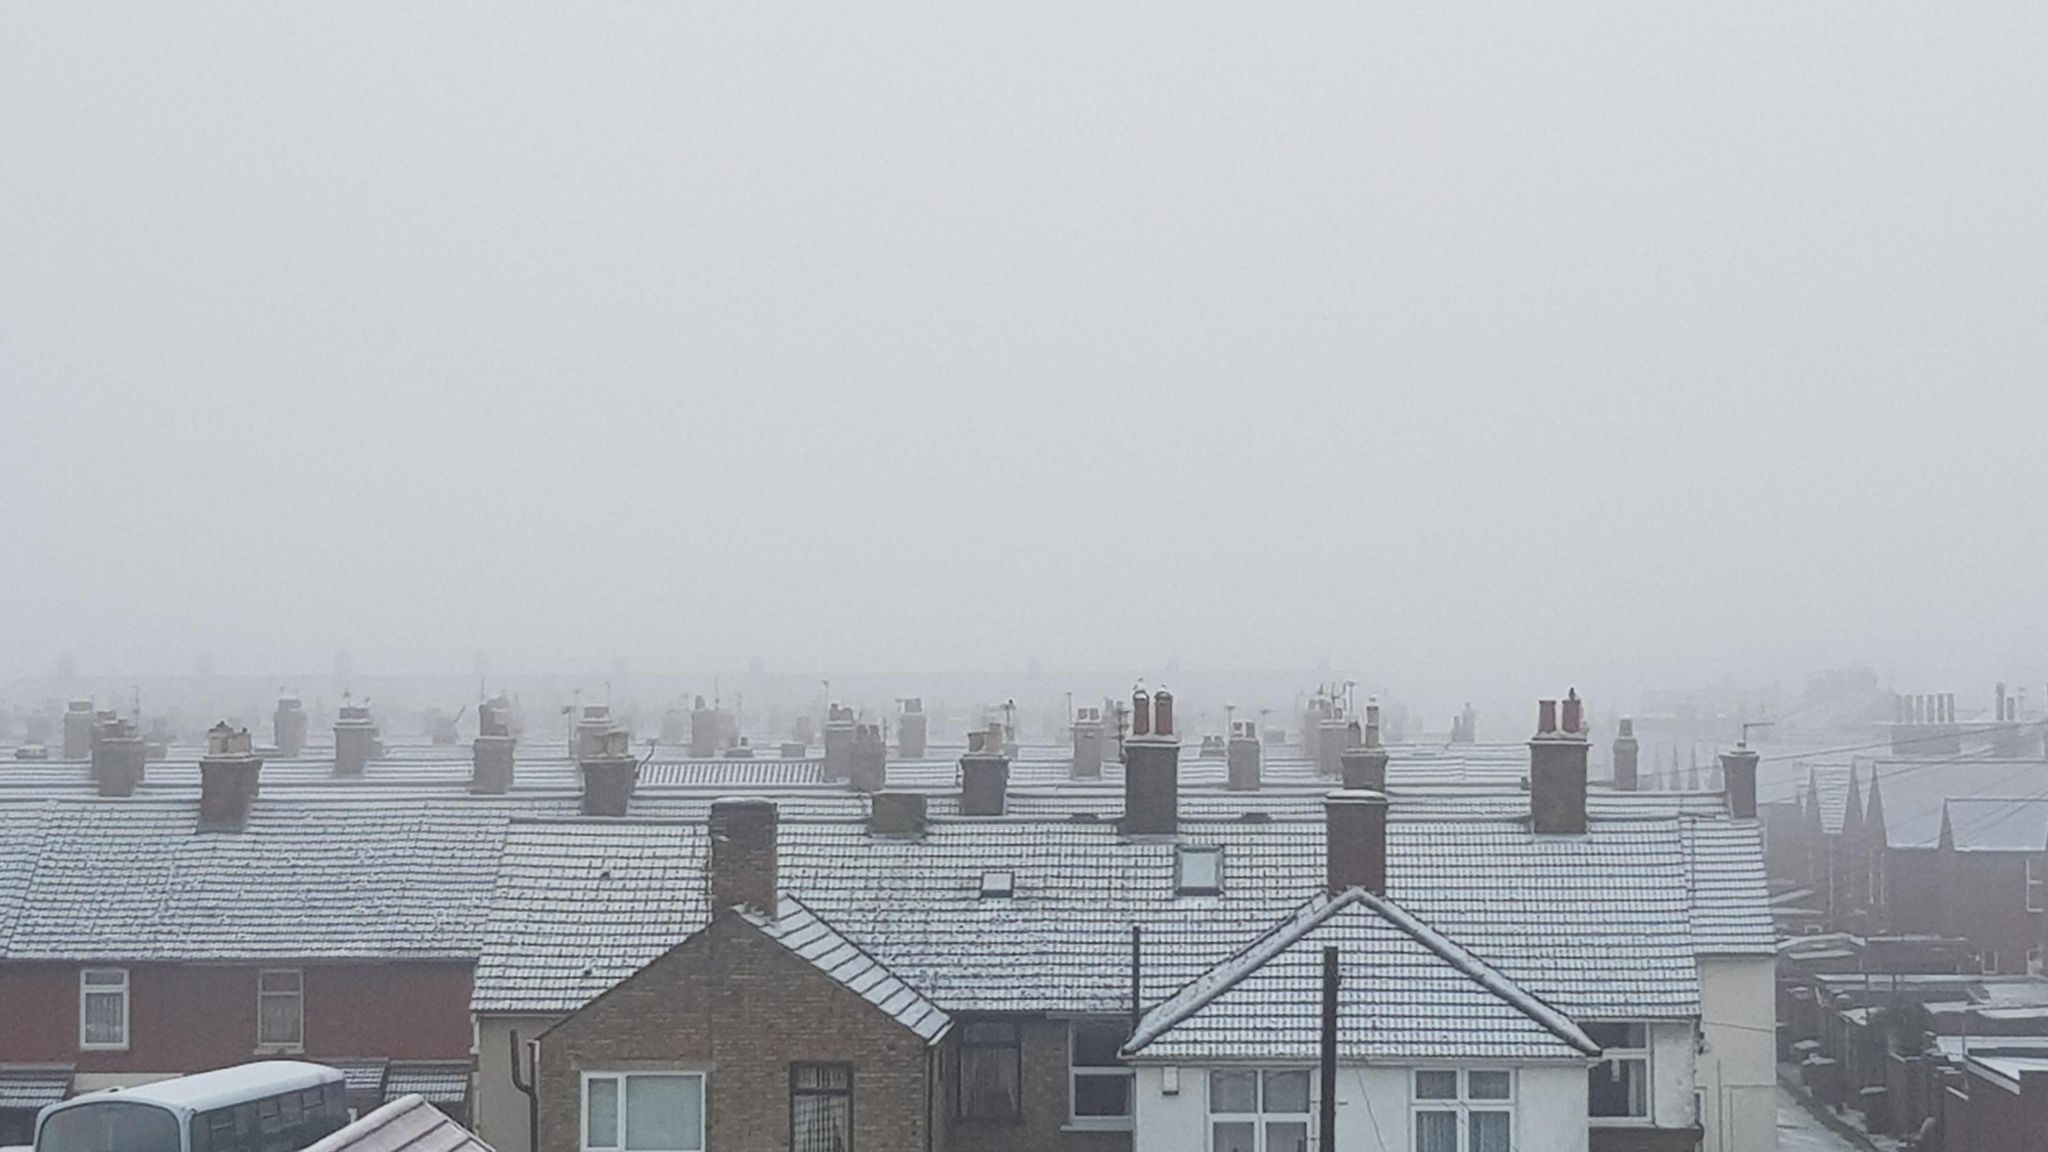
(1085, 817)
(1256, 817)
(1200, 870)
(998, 885)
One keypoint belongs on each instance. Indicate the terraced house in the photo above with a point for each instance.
(1011, 948)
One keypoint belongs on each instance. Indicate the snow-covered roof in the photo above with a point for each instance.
(1599, 925)
(816, 942)
(30, 1086)
(1731, 913)
(1916, 791)
(1406, 992)
(1995, 824)
(407, 1124)
(437, 1081)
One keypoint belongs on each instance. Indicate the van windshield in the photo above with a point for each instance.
(113, 1126)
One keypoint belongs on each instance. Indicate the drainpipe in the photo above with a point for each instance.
(526, 1085)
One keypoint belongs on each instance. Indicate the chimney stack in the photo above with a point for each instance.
(491, 767)
(117, 757)
(288, 726)
(984, 774)
(1152, 767)
(869, 759)
(704, 732)
(609, 773)
(743, 866)
(1242, 756)
(1738, 775)
(355, 739)
(78, 721)
(230, 776)
(839, 725)
(1333, 737)
(1557, 769)
(1626, 755)
(1355, 841)
(1087, 764)
(897, 814)
(1365, 766)
(912, 728)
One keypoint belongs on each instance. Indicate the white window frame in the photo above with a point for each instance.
(1643, 1054)
(1076, 1072)
(1463, 1104)
(2037, 884)
(619, 1121)
(124, 989)
(297, 994)
(1260, 1117)
(1187, 852)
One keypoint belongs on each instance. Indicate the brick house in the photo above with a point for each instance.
(2000, 1104)
(1994, 857)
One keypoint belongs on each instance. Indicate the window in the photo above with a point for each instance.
(103, 1008)
(1464, 1112)
(2037, 884)
(1099, 1087)
(996, 885)
(1200, 870)
(280, 1008)
(643, 1112)
(1619, 1086)
(821, 1107)
(991, 1059)
(1989, 961)
(1258, 1111)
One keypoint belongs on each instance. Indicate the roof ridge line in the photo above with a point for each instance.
(1275, 940)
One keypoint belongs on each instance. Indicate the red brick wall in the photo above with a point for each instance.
(1913, 891)
(186, 1018)
(1044, 1104)
(739, 1007)
(1997, 1119)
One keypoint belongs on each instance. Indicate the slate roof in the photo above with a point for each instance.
(132, 880)
(407, 1124)
(436, 1081)
(32, 1086)
(1405, 993)
(1916, 792)
(1998, 825)
(1731, 914)
(816, 942)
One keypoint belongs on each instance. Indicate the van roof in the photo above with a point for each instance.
(205, 1090)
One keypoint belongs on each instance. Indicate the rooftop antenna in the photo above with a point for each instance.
(1744, 741)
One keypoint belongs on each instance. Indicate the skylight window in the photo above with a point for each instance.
(998, 885)
(1200, 870)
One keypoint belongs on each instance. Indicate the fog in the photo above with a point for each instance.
(1473, 349)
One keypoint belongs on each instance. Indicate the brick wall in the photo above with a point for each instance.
(188, 1018)
(1986, 904)
(737, 1006)
(1044, 1104)
(1995, 1118)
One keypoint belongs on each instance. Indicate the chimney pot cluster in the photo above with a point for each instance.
(984, 774)
(610, 772)
(912, 729)
(868, 759)
(1557, 769)
(1151, 767)
(230, 778)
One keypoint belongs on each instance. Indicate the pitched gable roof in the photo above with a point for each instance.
(1406, 992)
(813, 940)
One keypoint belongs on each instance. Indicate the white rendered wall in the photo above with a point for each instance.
(1738, 1071)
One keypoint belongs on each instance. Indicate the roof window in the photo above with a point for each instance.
(998, 885)
(1200, 870)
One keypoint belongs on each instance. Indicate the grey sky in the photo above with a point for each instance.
(1484, 345)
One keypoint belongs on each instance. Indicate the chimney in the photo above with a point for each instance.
(1557, 770)
(288, 726)
(355, 739)
(78, 722)
(1087, 763)
(869, 759)
(984, 774)
(230, 777)
(897, 814)
(1355, 841)
(838, 744)
(912, 726)
(1152, 768)
(1365, 766)
(117, 757)
(491, 756)
(1333, 736)
(675, 730)
(609, 773)
(1626, 756)
(743, 855)
(1738, 773)
(703, 730)
(1242, 756)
